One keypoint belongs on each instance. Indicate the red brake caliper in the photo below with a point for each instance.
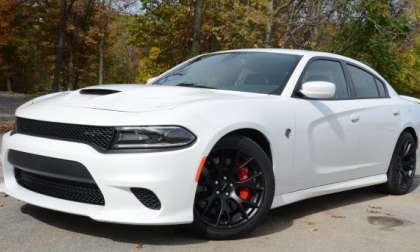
(244, 192)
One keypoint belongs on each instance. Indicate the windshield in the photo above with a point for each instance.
(256, 72)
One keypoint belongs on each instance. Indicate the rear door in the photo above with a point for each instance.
(378, 120)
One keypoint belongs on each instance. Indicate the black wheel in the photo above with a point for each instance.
(403, 165)
(235, 190)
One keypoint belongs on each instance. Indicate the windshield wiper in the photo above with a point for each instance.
(195, 85)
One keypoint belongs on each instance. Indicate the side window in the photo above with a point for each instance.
(381, 88)
(328, 70)
(364, 83)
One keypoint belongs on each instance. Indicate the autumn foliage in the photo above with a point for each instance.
(126, 41)
(4, 127)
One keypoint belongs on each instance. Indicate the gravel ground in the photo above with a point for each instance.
(359, 220)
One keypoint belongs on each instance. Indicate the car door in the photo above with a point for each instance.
(378, 120)
(326, 138)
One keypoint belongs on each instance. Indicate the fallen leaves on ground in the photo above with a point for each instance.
(139, 246)
(4, 127)
(375, 207)
(374, 211)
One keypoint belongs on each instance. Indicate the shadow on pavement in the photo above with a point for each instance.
(283, 217)
(156, 235)
(277, 221)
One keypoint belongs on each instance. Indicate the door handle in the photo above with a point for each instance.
(354, 118)
(396, 112)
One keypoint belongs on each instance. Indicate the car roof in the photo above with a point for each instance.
(290, 51)
(305, 53)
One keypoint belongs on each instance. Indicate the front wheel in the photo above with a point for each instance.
(235, 190)
(403, 165)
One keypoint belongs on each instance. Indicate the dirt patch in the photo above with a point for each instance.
(334, 216)
(386, 222)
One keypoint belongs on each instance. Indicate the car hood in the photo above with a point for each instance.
(137, 98)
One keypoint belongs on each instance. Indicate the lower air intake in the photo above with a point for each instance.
(60, 188)
(147, 198)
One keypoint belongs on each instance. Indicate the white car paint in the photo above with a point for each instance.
(335, 145)
(318, 89)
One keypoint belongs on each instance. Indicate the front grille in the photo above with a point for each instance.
(147, 197)
(60, 188)
(97, 136)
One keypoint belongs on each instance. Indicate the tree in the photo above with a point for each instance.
(70, 44)
(409, 52)
(64, 12)
(197, 27)
(372, 34)
(7, 36)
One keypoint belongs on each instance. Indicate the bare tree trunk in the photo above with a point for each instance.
(70, 84)
(9, 84)
(269, 25)
(102, 42)
(76, 82)
(316, 19)
(195, 49)
(60, 45)
(101, 61)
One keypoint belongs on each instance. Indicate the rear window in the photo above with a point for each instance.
(364, 83)
(381, 88)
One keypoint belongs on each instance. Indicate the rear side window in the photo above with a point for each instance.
(364, 83)
(328, 70)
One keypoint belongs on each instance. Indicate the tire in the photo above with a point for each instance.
(402, 168)
(227, 203)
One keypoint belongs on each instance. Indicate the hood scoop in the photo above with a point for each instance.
(98, 91)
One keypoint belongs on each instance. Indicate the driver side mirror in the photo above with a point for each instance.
(318, 89)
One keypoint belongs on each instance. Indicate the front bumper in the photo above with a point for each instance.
(169, 174)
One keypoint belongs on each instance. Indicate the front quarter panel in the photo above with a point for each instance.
(270, 115)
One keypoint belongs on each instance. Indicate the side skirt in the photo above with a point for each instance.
(285, 199)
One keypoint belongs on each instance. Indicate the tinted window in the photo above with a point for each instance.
(364, 83)
(327, 70)
(249, 72)
(381, 88)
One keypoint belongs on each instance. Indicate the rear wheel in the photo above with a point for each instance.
(403, 165)
(235, 190)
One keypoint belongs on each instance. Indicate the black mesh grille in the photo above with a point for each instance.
(96, 136)
(60, 188)
(147, 197)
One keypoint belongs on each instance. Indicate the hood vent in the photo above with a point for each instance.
(98, 91)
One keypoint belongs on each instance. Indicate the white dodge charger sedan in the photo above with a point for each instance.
(216, 141)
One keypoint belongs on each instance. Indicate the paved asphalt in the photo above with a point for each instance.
(359, 220)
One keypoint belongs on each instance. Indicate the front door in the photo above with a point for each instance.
(327, 143)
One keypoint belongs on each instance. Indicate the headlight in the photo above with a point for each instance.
(152, 137)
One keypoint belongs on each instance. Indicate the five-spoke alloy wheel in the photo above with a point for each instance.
(235, 190)
(403, 165)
